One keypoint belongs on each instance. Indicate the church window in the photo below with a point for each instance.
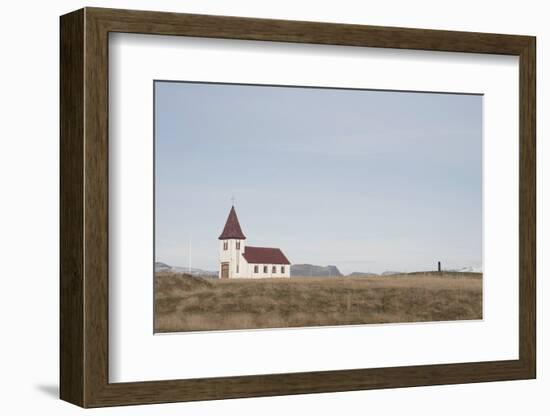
(282, 269)
(238, 245)
(225, 244)
(274, 269)
(265, 269)
(255, 269)
(237, 268)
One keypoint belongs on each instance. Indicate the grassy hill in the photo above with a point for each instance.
(190, 303)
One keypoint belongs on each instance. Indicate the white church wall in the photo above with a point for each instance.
(245, 269)
(260, 274)
(237, 265)
(233, 257)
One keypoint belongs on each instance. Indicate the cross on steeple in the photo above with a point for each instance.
(233, 200)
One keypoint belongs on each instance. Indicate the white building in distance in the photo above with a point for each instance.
(245, 262)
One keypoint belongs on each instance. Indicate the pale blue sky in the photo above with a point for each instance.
(364, 180)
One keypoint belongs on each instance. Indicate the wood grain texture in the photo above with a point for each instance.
(527, 208)
(71, 208)
(162, 23)
(84, 207)
(96, 219)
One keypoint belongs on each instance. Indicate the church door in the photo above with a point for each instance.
(225, 270)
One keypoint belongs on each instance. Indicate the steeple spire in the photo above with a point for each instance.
(232, 227)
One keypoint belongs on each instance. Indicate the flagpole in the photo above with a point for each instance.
(189, 253)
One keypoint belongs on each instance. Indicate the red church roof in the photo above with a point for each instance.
(232, 227)
(264, 255)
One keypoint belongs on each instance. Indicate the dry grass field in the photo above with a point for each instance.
(188, 303)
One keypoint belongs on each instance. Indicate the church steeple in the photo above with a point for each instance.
(232, 227)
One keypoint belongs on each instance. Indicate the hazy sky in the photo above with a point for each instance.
(364, 180)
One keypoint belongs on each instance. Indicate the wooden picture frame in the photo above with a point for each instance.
(84, 207)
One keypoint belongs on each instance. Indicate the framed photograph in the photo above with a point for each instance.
(254, 207)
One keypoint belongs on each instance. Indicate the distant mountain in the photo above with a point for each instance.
(389, 273)
(461, 270)
(163, 267)
(194, 272)
(361, 274)
(469, 269)
(311, 270)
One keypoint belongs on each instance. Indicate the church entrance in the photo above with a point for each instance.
(225, 271)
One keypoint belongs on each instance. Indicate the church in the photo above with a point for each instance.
(237, 260)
